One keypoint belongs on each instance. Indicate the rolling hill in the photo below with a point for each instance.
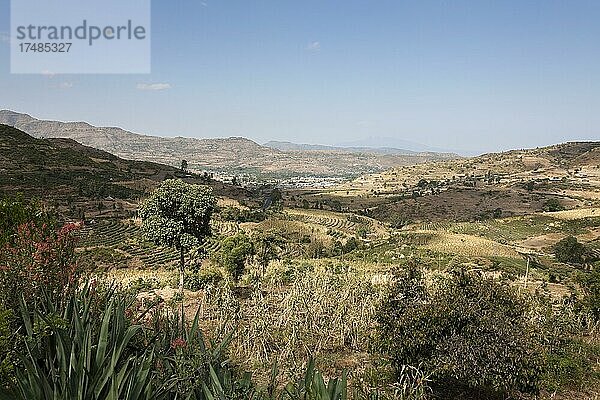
(511, 183)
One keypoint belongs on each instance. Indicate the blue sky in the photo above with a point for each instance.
(469, 75)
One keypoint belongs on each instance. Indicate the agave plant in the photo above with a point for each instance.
(314, 387)
(87, 349)
(68, 357)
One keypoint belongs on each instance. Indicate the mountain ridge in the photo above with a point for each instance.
(292, 146)
(232, 155)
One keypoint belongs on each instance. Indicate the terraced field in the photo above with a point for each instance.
(304, 230)
(345, 223)
(107, 233)
(125, 237)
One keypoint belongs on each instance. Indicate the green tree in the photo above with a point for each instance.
(234, 252)
(530, 185)
(276, 197)
(362, 231)
(177, 214)
(184, 165)
(569, 250)
(350, 245)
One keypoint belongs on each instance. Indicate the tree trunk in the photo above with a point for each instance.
(181, 274)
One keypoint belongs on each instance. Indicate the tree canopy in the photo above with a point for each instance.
(177, 214)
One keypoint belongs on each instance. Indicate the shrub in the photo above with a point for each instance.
(570, 357)
(569, 250)
(234, 252)
(350, 245)
(236, 214)
(571, 365)
(15, 212)
(39, 259)
(197, 280)
(590, 288)
(552, 205)
(465, 330)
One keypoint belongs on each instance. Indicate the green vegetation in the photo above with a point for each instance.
(177, 214)
(553, 205)
(15, 211)
(569, 250)
(465, 331)
(234, 253)
(590, 286)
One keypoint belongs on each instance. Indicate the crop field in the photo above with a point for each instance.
(125, 238)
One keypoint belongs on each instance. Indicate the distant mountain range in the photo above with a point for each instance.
(397, 143)
(289, 146)
(376, 145)
(231, 155)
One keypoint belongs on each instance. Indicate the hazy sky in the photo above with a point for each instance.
(470, 75)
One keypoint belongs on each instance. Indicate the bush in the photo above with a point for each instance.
(38, 259)
(234, 253)
(15, 212)
(590, 288)
(569, 250)
(465, 330)
(197, 280)
(571, 365)
(552, 205)
(350, 245)
(236, 214)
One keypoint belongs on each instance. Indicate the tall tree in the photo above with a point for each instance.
(184, 165)
(177, 214)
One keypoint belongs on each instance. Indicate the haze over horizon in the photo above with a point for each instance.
(464, 76)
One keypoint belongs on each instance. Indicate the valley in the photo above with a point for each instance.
(318, 261)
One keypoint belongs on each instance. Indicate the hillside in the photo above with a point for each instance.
(230, 155)
(321, 256)
(79, 178)
(511, 183)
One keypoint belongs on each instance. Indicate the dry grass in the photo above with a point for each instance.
(128, 276)
(319, 313)
(464, 245)
(575, 214)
